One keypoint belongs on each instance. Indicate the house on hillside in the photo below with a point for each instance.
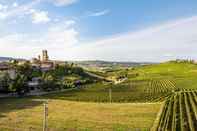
(34, 83)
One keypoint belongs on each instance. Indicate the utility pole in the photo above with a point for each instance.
(45, 116)
(110, 94)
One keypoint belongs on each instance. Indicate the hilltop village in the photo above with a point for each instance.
(42, 62)
(40, 74)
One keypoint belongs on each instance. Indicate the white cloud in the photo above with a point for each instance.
(3, 7)
(57, 40)
(62, 35)
(99, 13)
(69, 23)
(18, 10)
(176, 37)
(3, 10)
(171, 40)
(40, 17)
(56, 20)
(15, 4)
(3, 15)
(63, 2)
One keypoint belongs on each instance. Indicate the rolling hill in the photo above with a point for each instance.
(161, 97)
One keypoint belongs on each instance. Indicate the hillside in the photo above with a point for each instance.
(153, 83)
(182, 74)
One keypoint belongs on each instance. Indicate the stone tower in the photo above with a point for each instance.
(45, 56)
(39, 58)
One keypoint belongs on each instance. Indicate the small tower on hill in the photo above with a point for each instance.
(45, 56)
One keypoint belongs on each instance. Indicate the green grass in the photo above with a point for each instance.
(25, 113)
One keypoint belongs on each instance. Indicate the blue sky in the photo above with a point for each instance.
(120, 30)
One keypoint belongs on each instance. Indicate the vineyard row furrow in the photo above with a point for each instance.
(179, 113)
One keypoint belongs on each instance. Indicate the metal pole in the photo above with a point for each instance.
(30, 129)
(45, 117)
(110, 95)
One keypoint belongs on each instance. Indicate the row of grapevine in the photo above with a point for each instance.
(160, 86)
(179, 113)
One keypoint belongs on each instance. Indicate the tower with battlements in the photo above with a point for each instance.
(45, 56)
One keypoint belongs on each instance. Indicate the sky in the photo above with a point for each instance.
(111, 30)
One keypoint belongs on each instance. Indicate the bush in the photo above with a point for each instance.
(49, 82)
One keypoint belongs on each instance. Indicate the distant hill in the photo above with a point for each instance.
(6, 58)
(99, 63)
(2, 59)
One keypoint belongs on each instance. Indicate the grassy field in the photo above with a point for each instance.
(25, 113)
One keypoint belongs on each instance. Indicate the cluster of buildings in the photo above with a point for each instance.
(43, 62)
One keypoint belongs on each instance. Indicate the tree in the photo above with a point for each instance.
(60, 71)
(49, 82)
(19, 85)
(25, 69)
(4, 82)
(78, 71)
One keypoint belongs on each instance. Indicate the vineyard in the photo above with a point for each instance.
(133, 91)
(156, 86)
(179, 113)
